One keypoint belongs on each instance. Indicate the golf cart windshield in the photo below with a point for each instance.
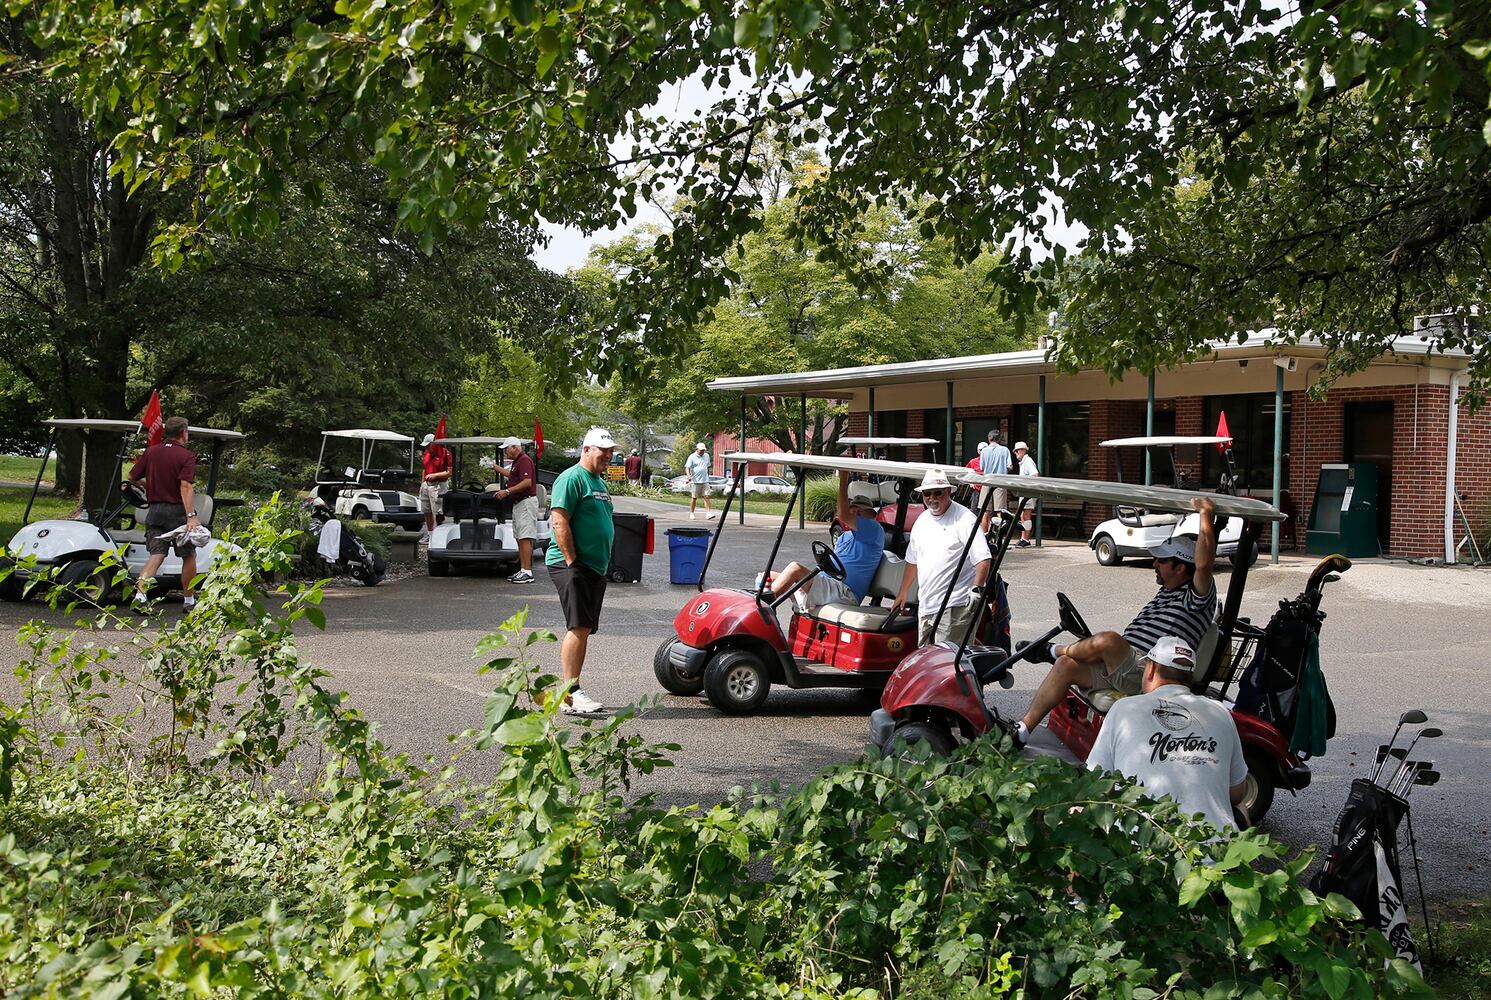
(368, 439)
(481, 441)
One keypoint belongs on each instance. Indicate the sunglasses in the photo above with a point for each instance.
(935, 493)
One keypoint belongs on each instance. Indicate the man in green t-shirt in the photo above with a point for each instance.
(579, 556)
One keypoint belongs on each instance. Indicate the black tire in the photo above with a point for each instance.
(668, 676)
(1107, 551)
(359, 513)
(1263, 777)
(86, 580)
(932, 732)
(736, 682)
(12, 588)
(439, 567)
(617, 576)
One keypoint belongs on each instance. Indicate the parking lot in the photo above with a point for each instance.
(1397, 637)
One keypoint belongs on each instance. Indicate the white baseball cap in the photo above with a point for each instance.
(511, 442)
(1020, 446)
(982, 445)
(429, 438)
(1171, 652)
(598, 437)
(700, 447)
(1182, 547)
(935, 479)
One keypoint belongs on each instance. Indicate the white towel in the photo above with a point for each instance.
(330, 548)
(198, 536)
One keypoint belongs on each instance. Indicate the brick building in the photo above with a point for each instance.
(1396, 414)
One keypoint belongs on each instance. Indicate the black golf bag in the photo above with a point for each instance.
(353, 557)
(1363, 863)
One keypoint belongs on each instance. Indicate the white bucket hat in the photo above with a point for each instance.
(1020, 446)
(700, 447)
(935, 479)
(598, 437)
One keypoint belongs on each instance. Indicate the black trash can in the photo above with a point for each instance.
(627, 548)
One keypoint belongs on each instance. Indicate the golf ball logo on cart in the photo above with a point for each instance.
(703, 607)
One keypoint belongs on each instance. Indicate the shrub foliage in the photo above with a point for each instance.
(196, 811)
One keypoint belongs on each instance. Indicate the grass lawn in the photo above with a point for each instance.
(16, 469)
(13, 506)
(1463, 971)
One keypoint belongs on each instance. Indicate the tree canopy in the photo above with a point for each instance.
(1322, 168)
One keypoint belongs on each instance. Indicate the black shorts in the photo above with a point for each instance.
(161, 518)
(581, 591)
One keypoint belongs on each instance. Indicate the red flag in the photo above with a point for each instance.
(1223, 432)
(152, 421)
(440, 428)
(538, 440)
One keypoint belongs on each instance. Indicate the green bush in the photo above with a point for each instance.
(822, 497)
(160, 858)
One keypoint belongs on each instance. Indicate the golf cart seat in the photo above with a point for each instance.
(885, 585)
(539, 491)
(889, 494)
(1146, 520)
(1101, 699)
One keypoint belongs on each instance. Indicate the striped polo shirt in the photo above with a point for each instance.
(1180, 612)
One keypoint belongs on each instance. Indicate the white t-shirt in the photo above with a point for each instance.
(934, 548)
(1027, 466)
(1175, 743)
(697, 466)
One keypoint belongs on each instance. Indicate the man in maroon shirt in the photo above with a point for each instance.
(633, 465)
(167, 470)
(522, 475)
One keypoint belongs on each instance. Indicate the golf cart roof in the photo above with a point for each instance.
(479, 440)
(366, 434)
(842, 463)
(1155, 499)
(134, 427)
(887, 442)
(1162, 442)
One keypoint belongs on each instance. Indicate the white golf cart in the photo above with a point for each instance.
(478, 530)
(75, 548)
(368, 492)
(1133, 531)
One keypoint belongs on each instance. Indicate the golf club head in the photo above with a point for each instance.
(1412, 717)
(1426, 778)
(1429, 734)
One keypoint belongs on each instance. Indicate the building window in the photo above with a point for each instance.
(1250, 420)
(1066, 437)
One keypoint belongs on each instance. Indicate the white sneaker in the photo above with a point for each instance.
(709, 516)
(581, 703)
(521, 576)
(424, 537)
(187, 603)
(693, 516)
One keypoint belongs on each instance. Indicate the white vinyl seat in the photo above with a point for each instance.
(542, 493)
(204, 506)
(888, 494)
(1101, 699)
(884, 586)
(1155, 520)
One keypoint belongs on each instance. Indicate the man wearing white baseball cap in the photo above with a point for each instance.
(1185, 606)
(522, 476)
(697, 467)
(1174, 742)
(579, 556)
(932, 555)
(438, 465)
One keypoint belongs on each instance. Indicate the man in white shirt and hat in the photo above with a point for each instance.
(697, 468)
(932, 556)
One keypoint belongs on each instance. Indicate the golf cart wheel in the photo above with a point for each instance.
(933, 732)
(1107, 551)
(1258, 797)
(359, 513)
(439, 567)
(668, 675)
(736, 682)
(86, 580)
(12, 588)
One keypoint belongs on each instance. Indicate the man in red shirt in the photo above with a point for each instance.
(438, 467)
(522, 476)
(633, 465)
(167, 470)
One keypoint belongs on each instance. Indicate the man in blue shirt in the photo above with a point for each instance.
(859, 548)
(995, 461)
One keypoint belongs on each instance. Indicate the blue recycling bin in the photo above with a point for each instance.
(687, 548)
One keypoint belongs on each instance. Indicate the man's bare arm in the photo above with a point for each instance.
(1206, 545)
(563, 536)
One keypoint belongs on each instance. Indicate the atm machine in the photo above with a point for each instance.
(1343, 517)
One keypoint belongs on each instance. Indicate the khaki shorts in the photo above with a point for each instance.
(525, 518)
(825, 590)
(1001, 499)
(955, 622)
(1128, 678)
(699, 489)
(429, 496)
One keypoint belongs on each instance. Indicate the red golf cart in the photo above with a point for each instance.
(934, 697)
(730, 644)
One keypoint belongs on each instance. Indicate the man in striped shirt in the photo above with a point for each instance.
(1185, 607)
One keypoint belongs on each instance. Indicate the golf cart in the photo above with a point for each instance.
(932, 698)
(730, 643)
(477, 529)
(897, 513)
(366, 492)
(75, 549)
(1133, 531)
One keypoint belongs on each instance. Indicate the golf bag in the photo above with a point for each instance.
(1363, 863)
(1270, 685)
(353, 557)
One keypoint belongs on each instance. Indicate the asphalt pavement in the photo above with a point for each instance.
(1397, 637)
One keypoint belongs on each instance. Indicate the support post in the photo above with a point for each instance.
(1273, 545)
(947, 450)
(802, 480)
(871, 422)
(1148, 430)
(1040, 452)
(741, 512)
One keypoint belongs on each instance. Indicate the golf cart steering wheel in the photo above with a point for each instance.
(1071, 619)
(828, 560)
(472, 486)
